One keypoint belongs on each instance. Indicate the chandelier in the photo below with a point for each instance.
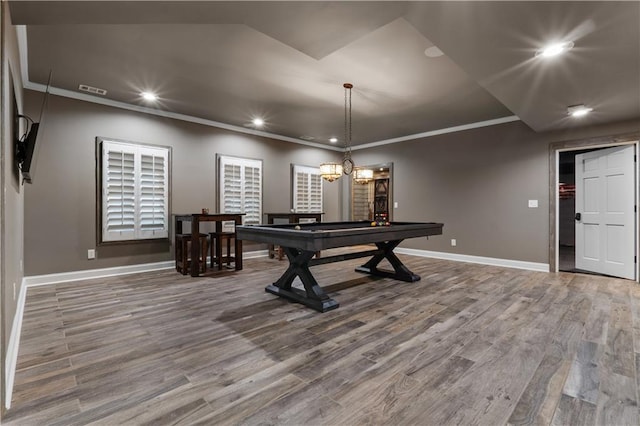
(362, 176)
(332, 171)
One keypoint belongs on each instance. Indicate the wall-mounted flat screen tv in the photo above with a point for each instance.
(27, 145)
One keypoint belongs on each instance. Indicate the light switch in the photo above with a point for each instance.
(533, 204)
(395, 204)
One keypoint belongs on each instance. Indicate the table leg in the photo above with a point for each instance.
(218, 258)
(270, 247)
(401, 272)
(313, 295)
(238, 253)
(195, 247)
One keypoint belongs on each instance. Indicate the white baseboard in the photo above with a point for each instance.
(507, 263)
(255, 254)
(36, 280)
(12, 348)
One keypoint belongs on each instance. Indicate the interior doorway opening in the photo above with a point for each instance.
(562, 197)
(371, 199)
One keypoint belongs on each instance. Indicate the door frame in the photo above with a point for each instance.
(554, 161)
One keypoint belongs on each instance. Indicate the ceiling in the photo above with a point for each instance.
(228, 62)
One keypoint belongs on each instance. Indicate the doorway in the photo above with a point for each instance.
(562, 241)
(371, 193)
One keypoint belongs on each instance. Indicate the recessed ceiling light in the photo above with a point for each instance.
(333, 140)
(258, 122)
(148, 96)
(307, 138)
(554, 49)
(433, 52)
(578, 110)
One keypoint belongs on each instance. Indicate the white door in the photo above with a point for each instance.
(605, 218)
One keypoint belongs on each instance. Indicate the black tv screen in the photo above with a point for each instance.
(26, 153)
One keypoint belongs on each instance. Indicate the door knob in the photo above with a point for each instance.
(578, 216)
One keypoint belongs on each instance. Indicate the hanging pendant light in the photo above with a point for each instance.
(362, 176)
(347, 162)
(331, 171)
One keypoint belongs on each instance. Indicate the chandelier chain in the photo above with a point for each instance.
(347, 116)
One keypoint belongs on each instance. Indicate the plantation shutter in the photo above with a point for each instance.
(118, 197)
(134, 192)
(241, 189)
(154, 191)
(315, 192)
(307, 189)
(232, 188)
(252, 195)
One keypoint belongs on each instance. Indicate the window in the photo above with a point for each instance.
(134, 184)
(307, 189)
(240, 187)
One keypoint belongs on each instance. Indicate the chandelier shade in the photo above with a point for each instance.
(330, 171)
(363, 176)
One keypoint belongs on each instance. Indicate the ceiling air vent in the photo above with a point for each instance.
(93, 90)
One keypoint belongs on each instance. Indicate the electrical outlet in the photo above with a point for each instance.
(533, 204)
(453, 242)
(91, 254)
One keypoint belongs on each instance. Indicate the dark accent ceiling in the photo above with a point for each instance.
(287, 61)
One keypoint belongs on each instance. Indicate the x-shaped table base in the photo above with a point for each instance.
(313, 295)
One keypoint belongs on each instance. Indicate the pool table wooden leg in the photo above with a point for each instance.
(401, 272)
(313, 295)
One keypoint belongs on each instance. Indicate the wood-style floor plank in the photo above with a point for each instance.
(467, 344)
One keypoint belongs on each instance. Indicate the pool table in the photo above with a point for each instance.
(301, 241)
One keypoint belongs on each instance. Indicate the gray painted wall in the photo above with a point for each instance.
(11, 207)
(477, 182)
(60, 206)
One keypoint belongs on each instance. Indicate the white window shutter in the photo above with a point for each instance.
(241, 188)
(307, 189)
(118, 196)
(135, 192)
(231, 179)
(252, 195)
(315, 193)
(301, 194)
(153, 214)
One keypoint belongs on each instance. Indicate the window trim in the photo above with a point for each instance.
(99, 198)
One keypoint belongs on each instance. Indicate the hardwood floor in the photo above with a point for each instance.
(468, 344)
